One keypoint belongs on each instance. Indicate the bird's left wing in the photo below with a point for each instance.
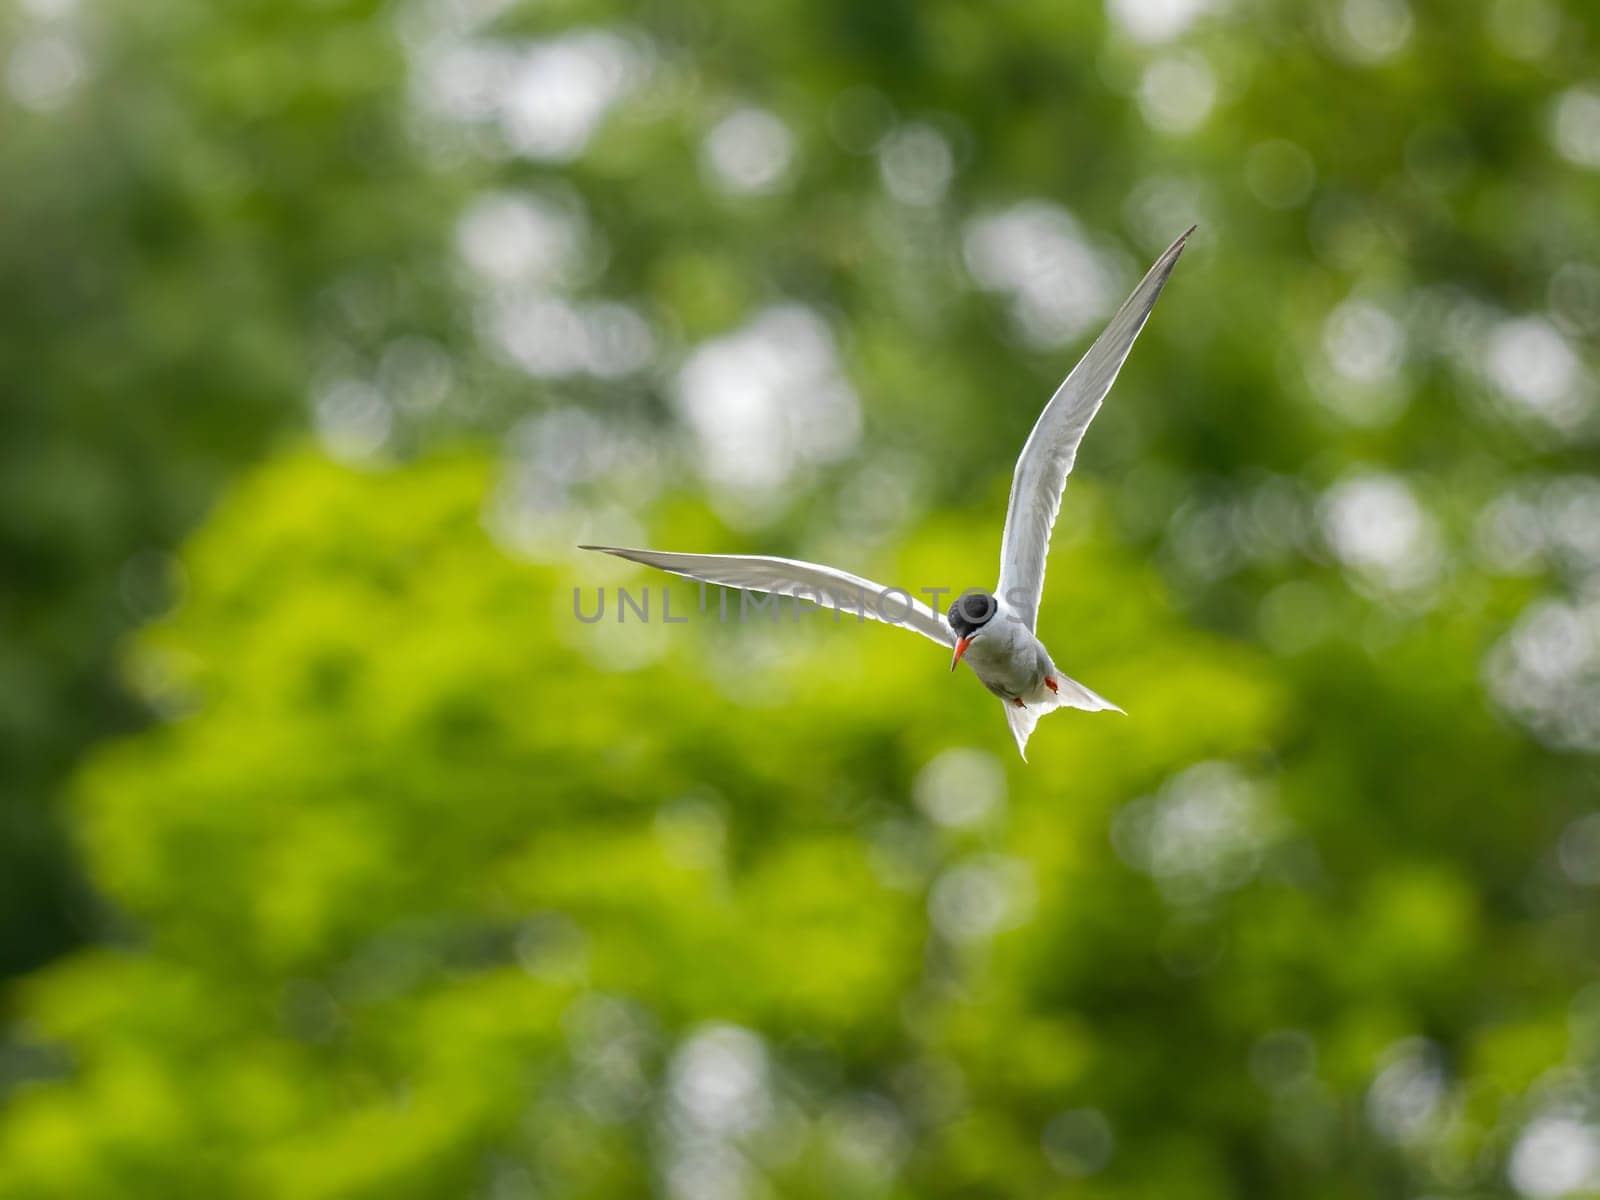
(1052, 447)
(822, 585)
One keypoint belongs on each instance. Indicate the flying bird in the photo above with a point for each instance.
(993, 633)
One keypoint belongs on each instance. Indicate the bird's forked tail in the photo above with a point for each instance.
(1069, 693)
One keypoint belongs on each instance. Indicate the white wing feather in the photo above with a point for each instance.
(810, 581)
(1052, 447)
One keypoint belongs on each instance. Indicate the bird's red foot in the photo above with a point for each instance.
(1018, 702)
(1051, 684)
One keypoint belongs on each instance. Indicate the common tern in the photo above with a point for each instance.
(992, 633)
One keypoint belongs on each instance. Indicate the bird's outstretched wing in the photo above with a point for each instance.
(822, 585)
(1052, 447)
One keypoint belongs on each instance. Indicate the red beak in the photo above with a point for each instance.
(961, 648)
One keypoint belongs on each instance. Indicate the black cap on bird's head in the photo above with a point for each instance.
(967, 616)
(970, 613)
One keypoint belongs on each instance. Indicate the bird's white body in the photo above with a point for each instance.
(1010, 661)
(1013, 664)
(999, 642)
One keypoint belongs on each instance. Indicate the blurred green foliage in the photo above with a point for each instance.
(430, 842)
(403, 881)
(183, 210)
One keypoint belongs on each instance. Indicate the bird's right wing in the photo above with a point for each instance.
(809, 581)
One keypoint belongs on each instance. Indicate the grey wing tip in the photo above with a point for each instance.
(1163, 266)
(1177, 247)
(614, 551)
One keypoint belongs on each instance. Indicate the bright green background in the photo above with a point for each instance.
(339, 859)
